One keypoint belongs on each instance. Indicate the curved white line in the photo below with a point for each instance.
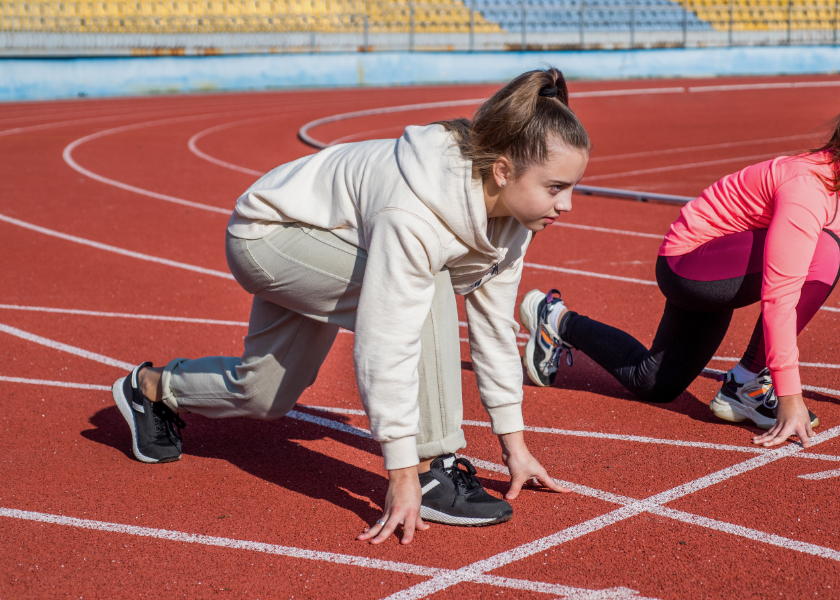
(68, 158)
(114, 249)
(303, 132)
(191, 144)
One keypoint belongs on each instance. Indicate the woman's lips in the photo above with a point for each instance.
(550, 220)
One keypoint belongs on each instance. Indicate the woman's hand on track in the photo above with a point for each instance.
(402, 507)
(792, 418)
(523, 466)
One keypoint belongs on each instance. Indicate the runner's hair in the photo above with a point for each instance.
(518, 122)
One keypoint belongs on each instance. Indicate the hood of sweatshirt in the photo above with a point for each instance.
(432, 165)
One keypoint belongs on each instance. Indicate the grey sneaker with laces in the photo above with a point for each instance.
(754, 400)
(544, 348)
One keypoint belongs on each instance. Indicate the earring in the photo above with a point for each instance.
(503, 184)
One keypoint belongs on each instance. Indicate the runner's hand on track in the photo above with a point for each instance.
(402, 507)
(792, 418)
(523, 466)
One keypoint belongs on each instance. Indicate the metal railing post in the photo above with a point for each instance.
(472, 26)
(633, 24)
(731, 19)
(836, 19)
(789, 11)
(582, 20)
(367, 32)
(524, 26)
(685, 25)
(411, 27)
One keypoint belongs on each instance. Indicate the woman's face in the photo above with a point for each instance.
(537, 196)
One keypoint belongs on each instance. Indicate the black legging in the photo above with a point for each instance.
(697, 315)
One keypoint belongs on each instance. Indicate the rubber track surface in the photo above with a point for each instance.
(116, 209)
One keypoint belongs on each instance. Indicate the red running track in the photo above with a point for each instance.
(112, 216)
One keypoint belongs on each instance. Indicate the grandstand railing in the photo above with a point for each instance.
(230, 26)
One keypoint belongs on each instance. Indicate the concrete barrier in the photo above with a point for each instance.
(38, 79)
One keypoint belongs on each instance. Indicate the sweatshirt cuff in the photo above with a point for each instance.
(506, 419)
(401, 453)
(786, 381)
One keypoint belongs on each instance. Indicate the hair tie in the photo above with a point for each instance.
(548, 92)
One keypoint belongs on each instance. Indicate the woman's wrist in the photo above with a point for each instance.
(513, 444)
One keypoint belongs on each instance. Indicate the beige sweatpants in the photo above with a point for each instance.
(306, 284)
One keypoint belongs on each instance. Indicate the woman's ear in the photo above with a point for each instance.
(502, 171)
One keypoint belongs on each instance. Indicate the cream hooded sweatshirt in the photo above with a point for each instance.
(413, 206)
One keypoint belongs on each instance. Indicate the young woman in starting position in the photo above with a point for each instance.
(378, 237)
(767, 234)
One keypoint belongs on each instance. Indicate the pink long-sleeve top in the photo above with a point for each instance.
(786, 197)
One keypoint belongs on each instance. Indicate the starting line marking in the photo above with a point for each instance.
(652, 505)
(292, 552)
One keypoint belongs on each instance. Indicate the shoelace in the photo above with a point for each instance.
(560, 347)
(164, 416)
(464, 479)
(766, 382)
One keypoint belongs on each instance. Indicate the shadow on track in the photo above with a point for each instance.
(272, 451)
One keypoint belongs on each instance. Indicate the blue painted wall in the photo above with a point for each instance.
(33, 79)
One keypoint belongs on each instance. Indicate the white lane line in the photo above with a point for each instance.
(654, 236)
(705, 163)
(68, 158)
(63, 384)
(600, 435)
(801, 364)
(116, 250)
(821, 475)
(37, 339)
(721, 146)
(206, 540)
(649, 504)
(830, 308)
(192, 145)
(96, 313)
(300, 553)
(763, 86)
(589, 274)
(751, 534)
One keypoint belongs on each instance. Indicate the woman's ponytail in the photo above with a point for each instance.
(518, 121)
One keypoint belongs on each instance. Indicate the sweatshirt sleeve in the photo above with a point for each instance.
(792, 239)
(395, 300)
(493, 349)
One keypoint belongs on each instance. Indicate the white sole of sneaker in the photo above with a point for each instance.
(528, 308)
(737, 412)
(122, 403)
(429, 514)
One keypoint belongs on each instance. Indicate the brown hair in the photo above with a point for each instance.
(832, 151)
(517, 122)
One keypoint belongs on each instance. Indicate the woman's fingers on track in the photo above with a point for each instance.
(379, 532)
(535, 471)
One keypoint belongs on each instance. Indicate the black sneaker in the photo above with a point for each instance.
(155, 428)
(544, 348)
(754, 400)
(453, 496)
